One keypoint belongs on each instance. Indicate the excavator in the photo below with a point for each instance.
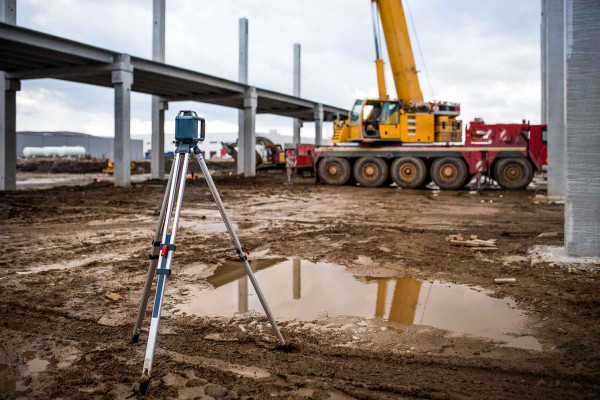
(413, 142)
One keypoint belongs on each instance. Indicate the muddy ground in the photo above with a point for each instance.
(74, 260)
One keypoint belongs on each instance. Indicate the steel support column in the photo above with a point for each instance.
(319, 124)
(582, 200)
(297, 123)
(555, 95)
(157, 164)
(544, 59)
(242, 78)
(122, 80)
(247, 141)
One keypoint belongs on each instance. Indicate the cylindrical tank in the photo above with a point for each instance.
(54, 151)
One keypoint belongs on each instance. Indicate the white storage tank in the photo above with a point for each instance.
(55, 152)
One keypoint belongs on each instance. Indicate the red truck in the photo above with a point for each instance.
(510, 154)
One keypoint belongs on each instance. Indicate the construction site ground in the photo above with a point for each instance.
(74, 259)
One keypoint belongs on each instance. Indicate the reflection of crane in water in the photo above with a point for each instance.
(404, 300)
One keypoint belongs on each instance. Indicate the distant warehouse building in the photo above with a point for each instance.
(95, 146)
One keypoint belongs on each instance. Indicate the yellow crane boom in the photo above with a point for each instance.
(399, 50)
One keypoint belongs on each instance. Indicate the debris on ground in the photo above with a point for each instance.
(113, 296)
(547, 234)
(473, 242)
(500, 281)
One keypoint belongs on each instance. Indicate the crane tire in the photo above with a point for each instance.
(334, 171)
(449, 173)
(513, 173)
(409, 172)
(370, 171)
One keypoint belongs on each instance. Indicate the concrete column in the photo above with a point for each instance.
(8, 132)
(8, 112)
(122, 79)
(555, 96)
(157, 165)
(582, 58)
(318, 124)
(8, 11)
(297, 123)
(242, 78)
(543, 59)
(247, 141)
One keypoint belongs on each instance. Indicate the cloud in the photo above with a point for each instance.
(484, 54)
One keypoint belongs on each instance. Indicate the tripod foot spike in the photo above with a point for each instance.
(144, 383)
(134, 339)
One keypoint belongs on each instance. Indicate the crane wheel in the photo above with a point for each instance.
(513, 173)
(334, 171)
(370, 171)
(449, 173)
(409, 172)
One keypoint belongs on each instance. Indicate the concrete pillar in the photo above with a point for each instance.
(318, 124)
(8, 11)
(582, 58)
(8, 132)
(247, 141)
(8, 112)
(555, 96)
(243, 78)
(157, 165)
(543, 59)
(122, 79)
(297, 123)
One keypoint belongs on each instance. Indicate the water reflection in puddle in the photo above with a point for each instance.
(305, 291)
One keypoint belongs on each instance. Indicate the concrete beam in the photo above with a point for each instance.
(318, 124)
(247, 141)
(297, 124)
(157, 162)
(555, 96)
(122, 80)
(242, 78)
(582, 201)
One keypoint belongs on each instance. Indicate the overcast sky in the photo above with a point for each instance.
(483, 54)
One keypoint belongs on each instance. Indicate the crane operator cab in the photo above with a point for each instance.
(375, 120)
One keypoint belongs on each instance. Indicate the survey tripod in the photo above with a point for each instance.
(189, 131)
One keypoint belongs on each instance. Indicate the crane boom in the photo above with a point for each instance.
(399, 50)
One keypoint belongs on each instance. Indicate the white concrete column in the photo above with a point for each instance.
(157, 164)
(318, 124)
(8, 112)
(247, 141)
(242, 78)
(555, 96)
(122, 79)
(582, 58)
(543, 58)
(297, 124)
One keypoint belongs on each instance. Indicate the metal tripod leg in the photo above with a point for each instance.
(165, 259)
(236, 243)
(153, 262)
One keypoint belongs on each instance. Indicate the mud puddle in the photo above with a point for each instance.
(302, 290)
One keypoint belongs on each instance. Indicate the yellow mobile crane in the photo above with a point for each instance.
(408, 119)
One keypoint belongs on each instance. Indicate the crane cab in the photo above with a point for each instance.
(374, 120)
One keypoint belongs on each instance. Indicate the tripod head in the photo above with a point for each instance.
(189, 127)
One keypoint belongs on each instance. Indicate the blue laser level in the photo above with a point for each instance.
(189, 127)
